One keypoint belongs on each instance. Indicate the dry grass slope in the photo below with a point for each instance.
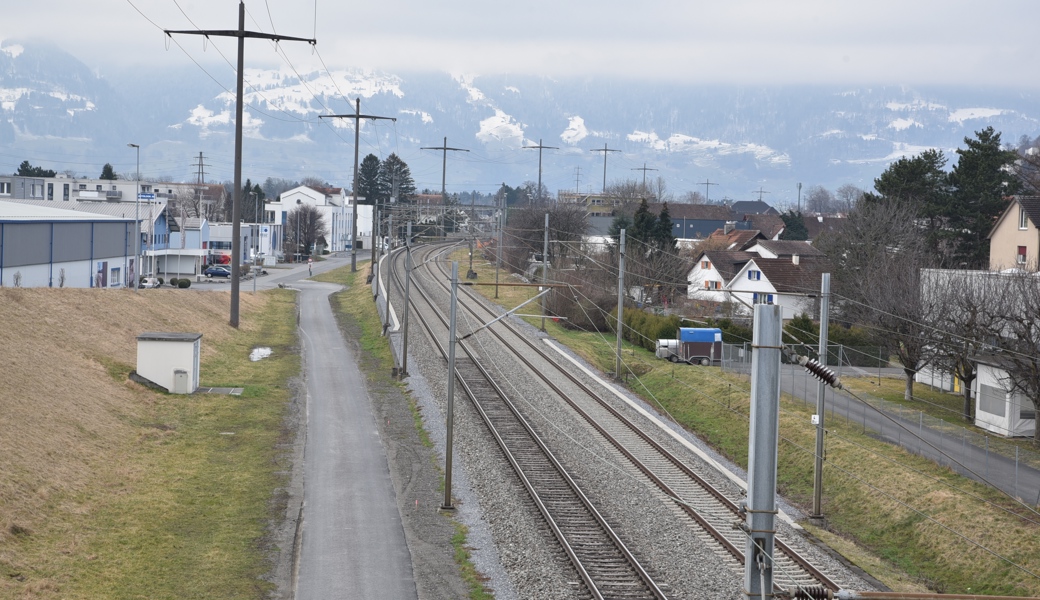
(65, 420)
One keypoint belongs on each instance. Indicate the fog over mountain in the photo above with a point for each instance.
(58, 114)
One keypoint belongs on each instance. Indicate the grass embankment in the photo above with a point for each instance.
(900, 518)
(355, 303)
(114, 490)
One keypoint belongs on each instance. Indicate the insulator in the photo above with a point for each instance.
(822, 373)
(811, 593)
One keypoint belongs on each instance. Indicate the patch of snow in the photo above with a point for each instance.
(869, 137)
(510, 88)
(902, 124)
(13, 50)
(501, 128)
(425, 116)
(916, 105)
(575, 132)
(707, 149)
(899, 150)
(963, 114)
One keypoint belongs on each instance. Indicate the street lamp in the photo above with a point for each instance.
(137, 218)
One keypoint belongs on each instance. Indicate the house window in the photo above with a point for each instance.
(1023, 220)
(757, 298)
(5, 188)
(705, 264)
(992, 400)
(712, 285)
(82, 186)
(1020, 258)
(98, 187)
(754, 275)
(36, 190)
(50, 191)
(65, 192)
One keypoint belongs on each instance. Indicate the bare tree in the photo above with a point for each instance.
(971, 318)
(877, 258)
(304, 226)
(819, 199)
(847, 197)
(1020, 341)
(691, 197)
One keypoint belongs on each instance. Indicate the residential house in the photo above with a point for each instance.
(335, 206)
(767, 248)
(770, 225)
(1014, 241)
(753, 207)
(786, 282)
(713, 270)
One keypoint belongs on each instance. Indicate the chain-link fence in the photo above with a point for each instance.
(953, 443)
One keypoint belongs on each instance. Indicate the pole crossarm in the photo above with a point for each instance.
(355, 117)
(236, 33)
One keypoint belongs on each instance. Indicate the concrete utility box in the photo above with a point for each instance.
(170, 360)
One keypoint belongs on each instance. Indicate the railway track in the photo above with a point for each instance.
(716, 517)
(605, 565)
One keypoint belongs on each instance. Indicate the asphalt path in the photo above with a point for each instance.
(352, 542)
(914, 434)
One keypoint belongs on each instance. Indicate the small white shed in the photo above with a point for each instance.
(1003, 412)
(170, 360)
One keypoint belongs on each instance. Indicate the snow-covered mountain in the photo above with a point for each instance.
(56, 113)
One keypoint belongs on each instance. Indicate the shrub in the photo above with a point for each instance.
(183, 283)
(160, 280)
(173, 281)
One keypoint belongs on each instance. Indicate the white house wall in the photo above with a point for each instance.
(695, 289)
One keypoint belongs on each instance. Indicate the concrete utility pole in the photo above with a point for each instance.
(450, 425)
(357, 116)
(644, 169)
(825, 297)
(763, 438)
(706, 183)
(137, 222)
(604, 150)
(540, 147)
(236, 203)
(407, 307)
(501, 227)
(620, 303)
(545, 265)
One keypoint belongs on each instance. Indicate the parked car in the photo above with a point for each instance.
(149, 282)
(217, 271)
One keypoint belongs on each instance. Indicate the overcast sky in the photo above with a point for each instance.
(911, 42)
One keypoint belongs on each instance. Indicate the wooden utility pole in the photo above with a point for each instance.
(540, 147)
(357, 116)
(236, 203)
(604, 150)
